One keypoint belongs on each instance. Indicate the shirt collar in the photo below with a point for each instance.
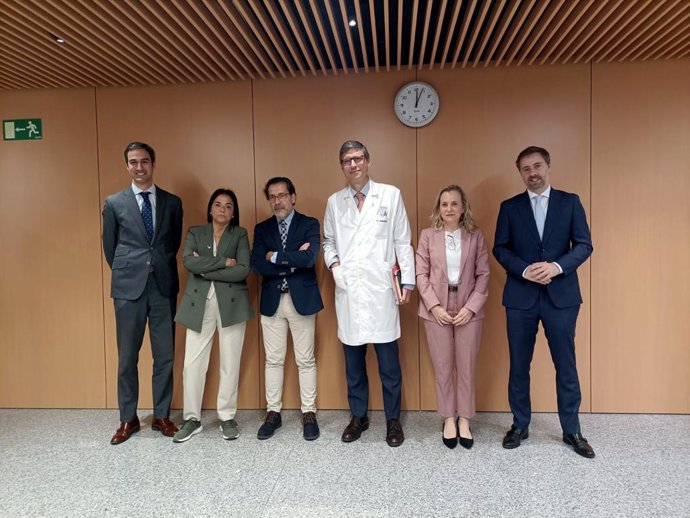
(288, 218)
(136, 190)
(364, 190)
(545, 194)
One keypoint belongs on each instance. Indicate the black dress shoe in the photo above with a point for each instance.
(450, 443)
(310, 428)
(514, 437)
(271, 424)
(464, 442)
(353, 431)
(394, 433)
(579, 444)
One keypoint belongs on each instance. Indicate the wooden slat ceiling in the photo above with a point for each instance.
(149, 42)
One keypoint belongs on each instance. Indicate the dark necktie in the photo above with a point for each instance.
(147, 214)
(283, 240)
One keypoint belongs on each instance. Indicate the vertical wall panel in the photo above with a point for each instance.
(51, 316)
(202, 135)
(300, 126)
(641, 223)
(486, 118)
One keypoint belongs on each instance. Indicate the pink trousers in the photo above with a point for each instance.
(453, 351)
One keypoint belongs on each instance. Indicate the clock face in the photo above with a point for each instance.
(416, 104)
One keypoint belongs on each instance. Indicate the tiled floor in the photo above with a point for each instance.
(60, 463)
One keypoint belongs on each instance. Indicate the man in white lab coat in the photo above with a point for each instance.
(366, 233)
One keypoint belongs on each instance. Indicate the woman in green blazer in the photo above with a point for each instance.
(216, 256)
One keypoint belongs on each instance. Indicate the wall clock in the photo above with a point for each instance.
(416, 104)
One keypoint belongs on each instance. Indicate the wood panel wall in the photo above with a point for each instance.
(202, 135)
(52, 352)
(304, 122)
(487, 117)
(641, 231)
(612, 143)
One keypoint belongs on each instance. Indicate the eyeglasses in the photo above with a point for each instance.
(347, 162)
(272, 198)
(450, 242)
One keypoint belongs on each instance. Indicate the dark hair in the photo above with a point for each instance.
(235, 221)
(532, 150)
(353, 144)
(280, 179)
(140, 145)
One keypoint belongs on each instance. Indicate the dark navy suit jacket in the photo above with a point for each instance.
(566, 241)
(302, 282)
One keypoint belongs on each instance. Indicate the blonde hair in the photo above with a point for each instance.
(466, 220)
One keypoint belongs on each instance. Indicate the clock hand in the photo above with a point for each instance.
(419, 96)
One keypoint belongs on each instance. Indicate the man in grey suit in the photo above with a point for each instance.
(142, 230)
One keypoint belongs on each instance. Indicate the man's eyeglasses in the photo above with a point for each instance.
(347, 162)
(278, 197)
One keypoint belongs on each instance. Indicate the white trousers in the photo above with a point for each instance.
(197, 353)
(275, 331)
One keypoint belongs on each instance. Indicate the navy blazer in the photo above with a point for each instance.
(566, 241)
(127, 249)
(302, 282)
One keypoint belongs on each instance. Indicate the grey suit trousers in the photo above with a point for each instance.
(131, 317)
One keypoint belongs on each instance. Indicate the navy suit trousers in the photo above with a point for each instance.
(559, 327)
(358, 381)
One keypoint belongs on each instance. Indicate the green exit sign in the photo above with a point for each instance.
(22, 129)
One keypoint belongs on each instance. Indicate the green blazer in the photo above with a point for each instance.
(230, 282)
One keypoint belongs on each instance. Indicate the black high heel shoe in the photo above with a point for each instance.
(464, 442)
(449, 443)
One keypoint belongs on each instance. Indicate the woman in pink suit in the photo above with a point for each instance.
(452, 267)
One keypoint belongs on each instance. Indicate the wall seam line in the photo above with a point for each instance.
(256, 221)
(419, 327)
(100, 226)
(591, 223)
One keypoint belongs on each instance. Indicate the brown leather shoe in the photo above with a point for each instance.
(164, 426)
(354, 430)
(125, 431)
(394, 433)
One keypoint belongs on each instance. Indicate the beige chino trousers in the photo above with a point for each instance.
(275, 330)
(197, 354)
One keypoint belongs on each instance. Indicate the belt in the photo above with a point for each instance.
(452, 288)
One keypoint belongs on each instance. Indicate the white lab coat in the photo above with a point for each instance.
(367, 244)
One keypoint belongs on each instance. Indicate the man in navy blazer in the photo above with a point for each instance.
(284, 252)
(142, 230)
(542, 237)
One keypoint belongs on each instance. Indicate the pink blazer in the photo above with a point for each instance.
(432, 272)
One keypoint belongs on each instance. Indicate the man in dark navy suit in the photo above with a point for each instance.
(284, 252)
(142, 230)
(542, 237)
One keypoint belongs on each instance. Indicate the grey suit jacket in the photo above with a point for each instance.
(128, 251)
